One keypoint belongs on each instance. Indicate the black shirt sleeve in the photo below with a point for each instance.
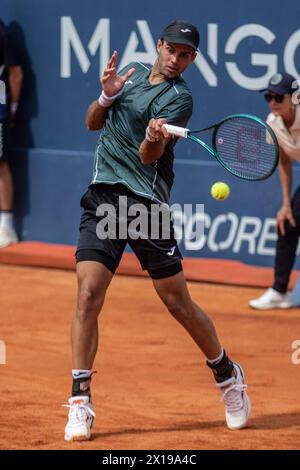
(9, 54)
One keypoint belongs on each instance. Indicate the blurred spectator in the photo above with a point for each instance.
(12, 76)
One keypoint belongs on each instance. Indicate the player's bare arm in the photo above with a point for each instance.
(15, 78)
(155, 141)
(95, 116)
(285, 212)
(112, 84)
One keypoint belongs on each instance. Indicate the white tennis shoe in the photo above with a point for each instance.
(271, 299)
(236, 401)
(80, 420)
(7, 237)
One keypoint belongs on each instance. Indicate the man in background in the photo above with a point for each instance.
(11, 77)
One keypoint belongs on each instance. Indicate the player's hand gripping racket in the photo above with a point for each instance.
(244, 145)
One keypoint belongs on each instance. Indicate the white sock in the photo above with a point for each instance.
(81, 373)
(217, 359)
(6, 220)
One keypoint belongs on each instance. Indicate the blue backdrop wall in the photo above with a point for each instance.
(65, 46)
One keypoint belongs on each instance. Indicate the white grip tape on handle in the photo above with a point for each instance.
(175, 130)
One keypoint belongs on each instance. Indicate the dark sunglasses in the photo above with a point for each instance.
(277, 98)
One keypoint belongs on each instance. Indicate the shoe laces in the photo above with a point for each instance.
(232, 397)
(79, 413)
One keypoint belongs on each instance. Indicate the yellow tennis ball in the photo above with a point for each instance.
(220, 191)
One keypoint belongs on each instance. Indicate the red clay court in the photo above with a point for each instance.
(152, 390)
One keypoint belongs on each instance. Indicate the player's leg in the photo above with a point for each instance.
(286, 248)
(229, 375)
(6, 187)
(97, 260)
(7, 232)
(175, 295)
(93, 280)
(162, 259)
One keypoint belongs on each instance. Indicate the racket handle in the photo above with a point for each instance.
(176, 130)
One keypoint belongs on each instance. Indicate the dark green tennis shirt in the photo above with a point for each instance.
(117, 153)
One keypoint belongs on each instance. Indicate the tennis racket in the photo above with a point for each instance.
(244, 145)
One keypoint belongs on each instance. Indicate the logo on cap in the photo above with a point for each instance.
(276, 79)
(186, 30)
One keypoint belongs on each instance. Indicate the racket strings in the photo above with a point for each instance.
(246, 148)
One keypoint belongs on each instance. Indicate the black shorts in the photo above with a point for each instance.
(4, 140)
(158, 253)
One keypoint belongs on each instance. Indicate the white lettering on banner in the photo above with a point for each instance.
(249, 237)
(200, 61)
(189, 226)
(222, 219)
(203, 221)
(267, 235)
(70, 40)
(290, 52)
(226, 232)
(131, 54)
(266, 60)
(212, 42)
(179, 220)
(100, 39)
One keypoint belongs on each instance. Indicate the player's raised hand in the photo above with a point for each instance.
(111, 82)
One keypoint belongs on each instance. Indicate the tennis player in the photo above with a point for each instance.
(284, 119)
(134, 160)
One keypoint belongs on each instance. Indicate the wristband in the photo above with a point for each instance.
(106, 101)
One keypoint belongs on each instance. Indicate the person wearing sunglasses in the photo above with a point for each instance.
(282, 97)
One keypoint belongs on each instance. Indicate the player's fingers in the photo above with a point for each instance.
(161, 128)
(158, 123)
(110, 70)
(110, 61)
(161, 121)
(281, 227)
(113, 59)
(105, 78)
(292, 221)
(108, 73)
(128, 74)
(151, 124)
(165, 132)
